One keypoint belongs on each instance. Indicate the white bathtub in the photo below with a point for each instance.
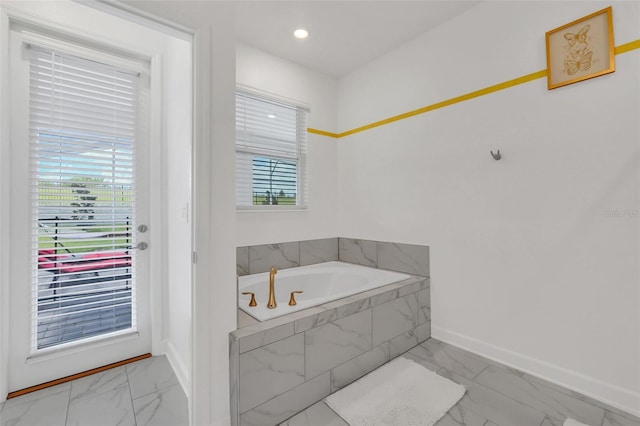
(321, 283)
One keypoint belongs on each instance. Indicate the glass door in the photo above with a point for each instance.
(80, 295)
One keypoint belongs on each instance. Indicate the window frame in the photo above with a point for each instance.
(301, 155)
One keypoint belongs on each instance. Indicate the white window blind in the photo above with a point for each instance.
(271, 152)
(83, 116)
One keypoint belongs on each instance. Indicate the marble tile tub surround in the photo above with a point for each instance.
(407, 258)
(283, 365)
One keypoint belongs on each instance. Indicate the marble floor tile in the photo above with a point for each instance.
(98, 383)
(48, 407)
(614, 419)
(548, 421)
(167, 407)
(615, 413)
(30, 397)
(579, 396)
(113, 408)
(459, 416)
(498, 408)
(494, 406)
(318, 414)
(456, 360)
(150, 375)
(104, 399)
(426, 364)
(555, 404)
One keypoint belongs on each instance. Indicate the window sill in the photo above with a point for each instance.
(270, 209)
(81, 345)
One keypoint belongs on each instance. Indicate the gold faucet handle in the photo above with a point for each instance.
(252, 302)
(292, 298)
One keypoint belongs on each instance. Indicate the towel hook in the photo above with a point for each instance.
(496, 156)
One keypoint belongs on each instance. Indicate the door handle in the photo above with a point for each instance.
(140, 246)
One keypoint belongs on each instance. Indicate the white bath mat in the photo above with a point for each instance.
(401, 392)
(571, 422)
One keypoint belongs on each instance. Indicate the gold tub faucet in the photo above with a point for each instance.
(272, 294)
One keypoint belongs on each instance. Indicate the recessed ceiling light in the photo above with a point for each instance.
(271, 115)
(301, 33)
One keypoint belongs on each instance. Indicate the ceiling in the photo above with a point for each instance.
(343, 35)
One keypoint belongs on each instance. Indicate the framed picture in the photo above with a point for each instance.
(581, 49)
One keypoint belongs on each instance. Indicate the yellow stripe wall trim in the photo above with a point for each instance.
(623, 48)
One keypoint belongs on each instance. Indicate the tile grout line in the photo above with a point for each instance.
(66, 416)
(126, 372)
(547, 415)
(133, 407)
(544, 414)
(545, 388)
(479, 373)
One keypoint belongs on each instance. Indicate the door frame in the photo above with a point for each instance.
(4, 207)
(157, 268)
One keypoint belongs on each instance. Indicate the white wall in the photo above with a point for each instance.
(528, 265)
(177, 207)
(259, 70)
(213, 293)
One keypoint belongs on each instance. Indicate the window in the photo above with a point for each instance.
(83, 116)
(271, 152)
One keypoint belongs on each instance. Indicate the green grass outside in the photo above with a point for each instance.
(82, 246)
(47, 241)
(282, 201)
(56, 193)
(52, 192)
(287, 201)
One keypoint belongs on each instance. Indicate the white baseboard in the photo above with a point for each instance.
(180, 368)
(617, 397)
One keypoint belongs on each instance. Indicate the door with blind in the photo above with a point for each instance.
(79, 290)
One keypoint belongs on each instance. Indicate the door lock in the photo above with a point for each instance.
(140, 246)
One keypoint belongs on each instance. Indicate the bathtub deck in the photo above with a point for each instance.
(281, 366)
(245, 320)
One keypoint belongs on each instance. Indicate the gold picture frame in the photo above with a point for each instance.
(581, 49)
